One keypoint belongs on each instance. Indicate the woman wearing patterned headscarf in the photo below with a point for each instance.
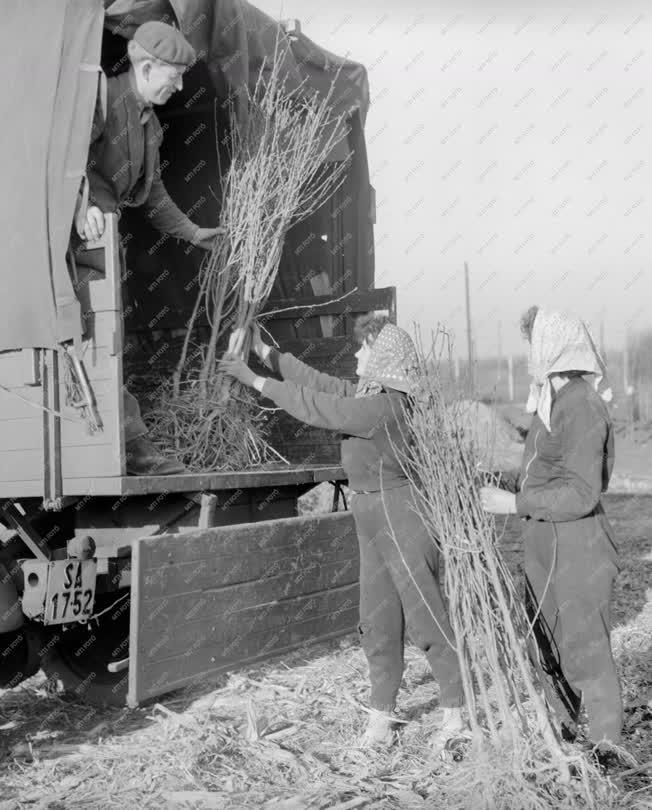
(399, 562)
(570, 556)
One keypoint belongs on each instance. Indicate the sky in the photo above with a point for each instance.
(516, 138)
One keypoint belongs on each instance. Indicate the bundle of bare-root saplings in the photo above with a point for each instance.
(278, 174)
(514, 757)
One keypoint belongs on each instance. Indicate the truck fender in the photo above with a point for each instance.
(11, 614)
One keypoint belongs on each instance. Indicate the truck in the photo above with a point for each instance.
(119, 587)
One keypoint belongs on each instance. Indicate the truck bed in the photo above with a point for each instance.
(268, 475)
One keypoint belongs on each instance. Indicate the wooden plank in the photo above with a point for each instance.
(319, 447)
(25, 434)
(173, 513)
(269, 475)
(32, 488)
(101, 296)
(319, 305)
(223, 570)
(121, 485)
(178, 611)
(103, 331)
(207, 511)
(13, 405)
(196, 667)
(330, 473)
(250, 538)
(228, 576)
(77, 462)
(107, 486)
(227, 633)
(23, 465)
(101, 356)
(295, 309)
(16, 368)
(16, 372)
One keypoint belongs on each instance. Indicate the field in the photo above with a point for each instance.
(279, 736)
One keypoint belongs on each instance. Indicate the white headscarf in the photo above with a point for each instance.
(561, 342)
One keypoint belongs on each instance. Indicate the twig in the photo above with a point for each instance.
(267, 313)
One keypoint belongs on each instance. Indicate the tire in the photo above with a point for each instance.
(80, 656)
(20, 656)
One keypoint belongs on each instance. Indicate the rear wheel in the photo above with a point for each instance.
(20, 654)
(80, 655)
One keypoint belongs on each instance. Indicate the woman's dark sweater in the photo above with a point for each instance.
(375, 428)
(565, 470)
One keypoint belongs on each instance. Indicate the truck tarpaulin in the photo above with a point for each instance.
(235, 40)
(50, 51)
(47, 117)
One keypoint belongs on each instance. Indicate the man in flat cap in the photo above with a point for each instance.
(124, 170)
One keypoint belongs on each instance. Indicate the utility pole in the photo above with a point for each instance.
(500, 352)
(469, 335)
(510, 377)
(603, 350)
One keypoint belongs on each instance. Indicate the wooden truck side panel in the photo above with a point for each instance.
(26, 405)
(231, 595)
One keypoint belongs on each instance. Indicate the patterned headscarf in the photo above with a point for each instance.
(561, 342)
(392, 363)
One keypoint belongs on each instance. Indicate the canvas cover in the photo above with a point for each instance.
(49, 52)
(235, 39)
(47, 115)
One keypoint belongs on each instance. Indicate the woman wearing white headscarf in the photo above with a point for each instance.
(399, 561)
(570, 557)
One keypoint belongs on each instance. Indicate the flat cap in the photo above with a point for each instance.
(165, 43)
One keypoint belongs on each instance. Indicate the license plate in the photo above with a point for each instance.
(71, 591)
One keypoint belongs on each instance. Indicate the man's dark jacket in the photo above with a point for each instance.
(124, 165)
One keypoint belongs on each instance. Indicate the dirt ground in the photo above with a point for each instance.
(277, 736)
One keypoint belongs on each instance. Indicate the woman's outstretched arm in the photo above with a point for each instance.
(296, 371)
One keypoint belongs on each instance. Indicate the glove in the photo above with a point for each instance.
(239, 370)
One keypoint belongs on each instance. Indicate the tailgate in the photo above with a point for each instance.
(212, 599)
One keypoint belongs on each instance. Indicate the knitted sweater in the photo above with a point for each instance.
(374, 427)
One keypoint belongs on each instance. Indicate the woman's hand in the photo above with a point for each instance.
(205, 237)
(236, 343)
(498, 501)
(258, 345)
(237, 368)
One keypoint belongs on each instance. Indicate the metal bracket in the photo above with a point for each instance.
(337, 492)
(53, 504)
(118, 666)
(28, 535)
(291, 27)
(52, 473)
(207, 510)
(36, 377)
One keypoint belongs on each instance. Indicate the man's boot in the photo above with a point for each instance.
(144, 459)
